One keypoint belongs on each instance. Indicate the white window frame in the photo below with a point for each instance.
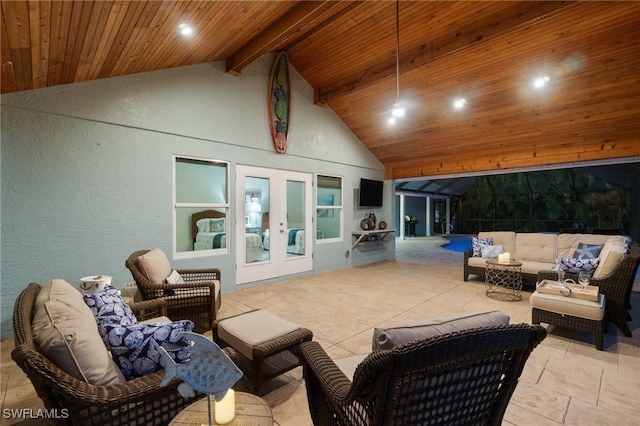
(339, 210)
(202, 206)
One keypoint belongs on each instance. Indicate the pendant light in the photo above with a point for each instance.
(398, 109)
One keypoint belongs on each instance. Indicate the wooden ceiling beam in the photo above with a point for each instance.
(303, 18)
(490, 160)
(497, 25)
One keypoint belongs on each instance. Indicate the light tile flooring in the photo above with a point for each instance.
(565, 382)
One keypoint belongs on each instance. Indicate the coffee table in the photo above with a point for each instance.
(251, 410)
(504, 280)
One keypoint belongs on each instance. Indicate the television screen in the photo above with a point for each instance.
(370, 193)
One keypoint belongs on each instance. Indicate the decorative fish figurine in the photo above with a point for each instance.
(209, 370)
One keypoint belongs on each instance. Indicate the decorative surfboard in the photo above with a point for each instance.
(280, 103)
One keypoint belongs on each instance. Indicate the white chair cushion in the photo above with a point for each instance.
(569, 305)
(243, 332)
(66, 332)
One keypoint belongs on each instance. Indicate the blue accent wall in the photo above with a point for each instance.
(86, 169)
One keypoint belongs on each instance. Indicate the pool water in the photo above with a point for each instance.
(457, 242)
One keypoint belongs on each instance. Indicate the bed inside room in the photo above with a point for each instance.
(208, 230)
(296, 242)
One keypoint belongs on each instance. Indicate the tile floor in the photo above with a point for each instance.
(565, 382)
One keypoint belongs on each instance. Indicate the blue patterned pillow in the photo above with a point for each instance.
(587, 251)
(109, 308)
(571, 264)
(135, 348)
(477, 242)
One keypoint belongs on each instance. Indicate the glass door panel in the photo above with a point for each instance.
(296, 219)
(256, 213)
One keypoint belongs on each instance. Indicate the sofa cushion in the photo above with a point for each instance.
(611, 255)
(569, 305)
(154, 265)
(536, 247)
(388, 337)
(568, 243)
(532, 268)
(588, 251)
(66, 332)
(135, 348)
(476, 244)
(506, 238)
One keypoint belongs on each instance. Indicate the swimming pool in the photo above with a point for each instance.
(457, 242)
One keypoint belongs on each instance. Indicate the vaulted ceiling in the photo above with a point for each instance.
(487, 52)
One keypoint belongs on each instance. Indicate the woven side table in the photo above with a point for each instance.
(504, 280)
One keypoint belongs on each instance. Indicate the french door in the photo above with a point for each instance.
(274, 223)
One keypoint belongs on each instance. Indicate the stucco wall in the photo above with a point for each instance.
(87, 178)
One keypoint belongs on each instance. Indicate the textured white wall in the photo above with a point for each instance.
(86, 168)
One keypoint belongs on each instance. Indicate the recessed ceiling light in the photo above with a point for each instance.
(459, 103)
(398, 110)
(185, 29)
(540, 82)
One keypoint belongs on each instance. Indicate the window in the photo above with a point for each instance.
(201, 207)
(329, 208)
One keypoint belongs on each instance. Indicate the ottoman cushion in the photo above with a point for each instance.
(244, 331)
(569, 305)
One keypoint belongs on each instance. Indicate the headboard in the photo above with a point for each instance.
(205, 214)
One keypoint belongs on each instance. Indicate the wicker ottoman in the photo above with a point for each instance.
(267, 344)
(570, 312)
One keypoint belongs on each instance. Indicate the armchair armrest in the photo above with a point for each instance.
(323, 374)
(208, 274)
(149, 309)
(69, 391)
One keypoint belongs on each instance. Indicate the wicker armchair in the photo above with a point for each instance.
(139, 401)
(197, 299)
(464, 377)
(616, 288)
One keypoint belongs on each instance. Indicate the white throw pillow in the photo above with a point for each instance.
(175, 278)
(491, 252)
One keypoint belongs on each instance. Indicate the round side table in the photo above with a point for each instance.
(504, 280)
(251, 410)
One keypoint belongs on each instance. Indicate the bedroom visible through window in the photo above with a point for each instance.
(201, 206)
(329, 208)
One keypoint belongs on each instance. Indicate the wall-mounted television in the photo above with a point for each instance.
(370, 194)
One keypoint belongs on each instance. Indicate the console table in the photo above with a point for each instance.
(379, 234)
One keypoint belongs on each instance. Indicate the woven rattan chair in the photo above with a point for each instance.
(464, 377)
(140, 401)
(197, 299)
(616, 288)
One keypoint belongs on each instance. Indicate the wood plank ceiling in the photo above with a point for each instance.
(486, 52)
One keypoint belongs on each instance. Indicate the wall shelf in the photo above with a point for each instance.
(375, 237)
